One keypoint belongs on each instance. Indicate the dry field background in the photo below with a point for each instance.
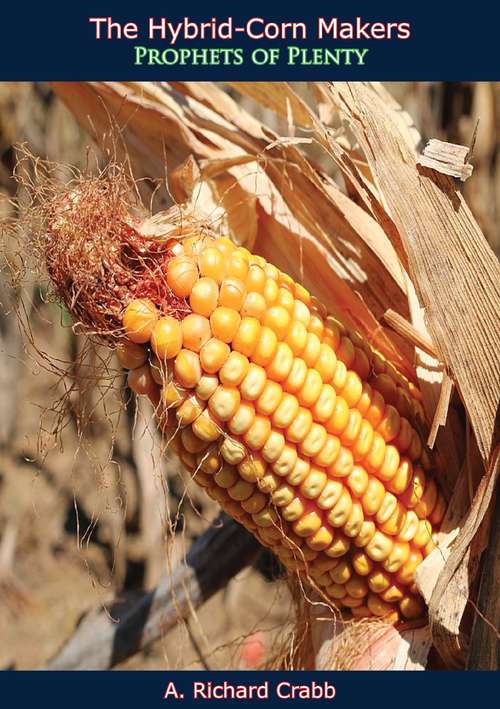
(79, 530)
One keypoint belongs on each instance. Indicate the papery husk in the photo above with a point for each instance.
(400, 237)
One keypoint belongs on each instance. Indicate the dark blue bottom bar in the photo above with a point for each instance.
(155, 689)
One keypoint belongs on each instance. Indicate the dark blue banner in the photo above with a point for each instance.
(249, 41)
(343, 690)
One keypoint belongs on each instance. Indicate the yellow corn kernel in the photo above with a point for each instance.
(351, 432)
(269, 399)
(266, 518)
(314, 441)
(390, 464)
(340, 417)
(328, 453)
(358, 480)
(297, 376)
(296, 337)
(310, 391)
(403, 477)
(390, 425)
(232, 451)
(336, 591)
(273, 447)
(258, 433)
(394, 524)
(173, 395)
(387, 508)
(224, 245)
(212, 263)
(301, 310)
(269, 482)
(339, 514)
(286, 411)
(241, 490)
(187, 368)
(182, 274)
(357, 587)
(340, 547)
(312, 350)
(411, 607)
(373, 496)
(224, 402)
(195, 332)
(266, 347)
(166, 338)
(294, 510)
(270, 292)
(409, 528)
(279, 320)
(286, 462)
(232, 293)
(281, 364)
(237, 265)
(321, 539)
(254, 306)
(206, 386)
(300, 426)
(285, 297)
(234, 369)
(355, 521)
(206, 427)
(376, 455)
(132, 355)
(404, 438)
(316, 324)
(392, 595)
(189, 411)
(204, 297)
(247, 336)
(379, 607)
(255, 503)
(400, 553)
(213, 355)
(308, 524)
(366, 533)
(340, 377)
(226, 477)
(314, 483)
(415, 450)
(209, 461)
(379, 547)
(225, 324)
(283, 495)
(375, 411)
(242, 419)
(406, 573)
(252, 468)
(361, 563)
(330, 494)
(423, 534)
(140, 380)
(341, 573)
(256, 279)
(254, 382)
(343, 465)
(299, 472)
(428, 500)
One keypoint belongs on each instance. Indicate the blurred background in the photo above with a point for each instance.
(79, 529)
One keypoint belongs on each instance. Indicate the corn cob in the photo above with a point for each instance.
(300, 430)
